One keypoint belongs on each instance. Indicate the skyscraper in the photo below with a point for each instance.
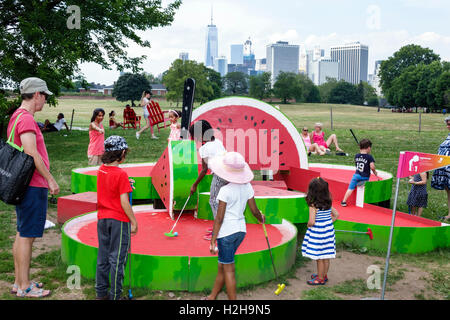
(282, 56)
(212, 46)
(237, 54)
(184, 56)
(322, 69)
(221, 66)
(353, 61)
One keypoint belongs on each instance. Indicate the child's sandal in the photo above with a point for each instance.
(315, 275)
(316, 282)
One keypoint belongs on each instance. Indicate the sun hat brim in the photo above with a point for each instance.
(239, 176)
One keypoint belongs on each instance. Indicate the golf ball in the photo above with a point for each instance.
(175, 234)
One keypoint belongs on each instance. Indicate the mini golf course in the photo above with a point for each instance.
(270, 142)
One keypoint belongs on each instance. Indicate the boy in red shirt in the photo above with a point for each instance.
(116, 220)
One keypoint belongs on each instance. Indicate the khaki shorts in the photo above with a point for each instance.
(94, 160)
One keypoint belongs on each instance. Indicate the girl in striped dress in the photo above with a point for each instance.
(319, 243)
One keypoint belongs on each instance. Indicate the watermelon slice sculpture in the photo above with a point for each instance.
(174, 174)
(260, 132)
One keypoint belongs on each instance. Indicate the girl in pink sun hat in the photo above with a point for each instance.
(229, 224)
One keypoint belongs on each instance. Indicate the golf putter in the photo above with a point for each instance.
(170, 234)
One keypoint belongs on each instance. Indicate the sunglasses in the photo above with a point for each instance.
(44, 94)
(305, 130)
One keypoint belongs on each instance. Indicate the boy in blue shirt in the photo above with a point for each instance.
(364, 163)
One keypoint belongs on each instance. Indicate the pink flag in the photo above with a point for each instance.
(411, 163)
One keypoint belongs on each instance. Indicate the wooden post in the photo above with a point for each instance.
(71, 120)
(420, 121)
(331, 116)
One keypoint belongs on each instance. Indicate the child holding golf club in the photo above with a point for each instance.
(229, 224)
(319, 242)
(364, 164)
(116, 220)
(202, 132)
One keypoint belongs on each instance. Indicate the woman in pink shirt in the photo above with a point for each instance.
(318, 136)
(96, 146)
(312, 147)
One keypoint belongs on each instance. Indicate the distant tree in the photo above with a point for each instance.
(177, 74)
(129, 87)
(215, 79)
(287, 87)
(359, 99)
(392, 68)
(260, 86)
(344, 93)
(325, 89)
(40, 38)
(236, 83)
(151, 78)
(310, 92)
(370, 94)
(442, 90)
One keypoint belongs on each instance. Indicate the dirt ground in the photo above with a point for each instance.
(346, 267)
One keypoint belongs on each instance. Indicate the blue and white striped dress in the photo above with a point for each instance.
(319, 241)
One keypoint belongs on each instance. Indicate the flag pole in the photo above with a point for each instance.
(386, 268)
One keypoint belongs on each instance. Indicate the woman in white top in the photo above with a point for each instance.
(229, 224)
(145, 99)
(202, 132)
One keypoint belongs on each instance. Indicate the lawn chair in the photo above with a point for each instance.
(156, 116)
(130, 119)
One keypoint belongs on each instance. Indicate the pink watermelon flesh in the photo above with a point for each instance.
(279, 145)
(264, 191)
(161, 178)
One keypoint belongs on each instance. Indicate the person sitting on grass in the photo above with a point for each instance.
(229, 224)
(364, 164)
(57, 126)
(113, 124)
(318, 136)
(313, 148)
(116, 221)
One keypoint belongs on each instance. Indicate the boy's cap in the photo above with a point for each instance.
(32, 85)
(115, 143)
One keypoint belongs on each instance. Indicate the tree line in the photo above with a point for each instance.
(416, 77)
(288, 86)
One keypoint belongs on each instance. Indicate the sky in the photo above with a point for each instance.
(385, 26)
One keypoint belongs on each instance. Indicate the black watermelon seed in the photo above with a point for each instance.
(231, 120)
(245, 117)
(283, 164)
(263, 121)
(255, 124)
(251, 118)
(281, 153)
(165, 183)
(220, 120)
(161, 185)
(281, 142)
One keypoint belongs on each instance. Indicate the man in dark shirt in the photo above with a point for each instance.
(364, 162)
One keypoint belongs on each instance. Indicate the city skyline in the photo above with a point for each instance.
(383, 26)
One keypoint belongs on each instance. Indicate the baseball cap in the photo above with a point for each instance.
(115, 143)
(32, 85)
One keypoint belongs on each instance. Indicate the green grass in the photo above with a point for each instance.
(389, 132)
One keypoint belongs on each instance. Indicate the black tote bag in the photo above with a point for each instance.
(16, 170)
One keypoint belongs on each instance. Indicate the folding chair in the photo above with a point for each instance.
(157, 116)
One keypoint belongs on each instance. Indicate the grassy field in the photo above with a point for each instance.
(389, 132)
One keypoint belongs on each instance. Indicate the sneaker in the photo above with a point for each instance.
(344, 204)
(137, 135)
(154, 137)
